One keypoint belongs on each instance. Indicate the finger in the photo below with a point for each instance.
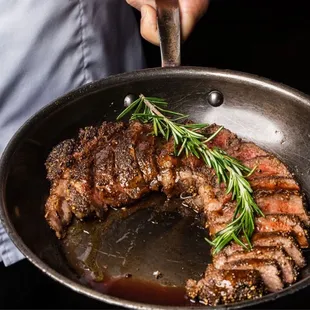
(191, 13)
(138, 4)
(149, 29)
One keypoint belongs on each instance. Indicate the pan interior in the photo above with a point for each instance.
(274, 117)
(143, 253)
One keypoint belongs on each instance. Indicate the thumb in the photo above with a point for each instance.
(149, 29)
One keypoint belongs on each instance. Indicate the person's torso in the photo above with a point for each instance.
(50, 47)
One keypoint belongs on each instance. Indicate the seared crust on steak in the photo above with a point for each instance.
(267, 268)
(59, 160)
(225, 286)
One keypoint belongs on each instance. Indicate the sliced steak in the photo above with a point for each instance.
(145, 154)
(108, 130)
(86, 144)
(247, 151)
(283, 223)
(268, 269)
(274, 183)
(106, 186)
(283, 240)
(230, 143)
(127, 169)
(167, 164)
(108, 190)
(225, 286)
(283, 202)
(271, 203)
(267, 166)
(58, 214)
(225, 139)
(80, 186)
(59, 160)
(285, 262)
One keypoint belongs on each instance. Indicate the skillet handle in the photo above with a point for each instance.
(168, 18)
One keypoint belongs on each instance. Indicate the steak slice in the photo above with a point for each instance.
(127, 170)
(59, 160)
(81, 187)
(283, 240)
(285, 262)
(274, 183)
(225, 286)
(79, 191)
(107, 189)
(247, 151)
(167, 164)
(276, 239)
(283, 223)
(271, 203)
(268, 269)
(145, 154)
(58, 214)
(225, 139)
(267, 166)
(232, 145)
(283, 202)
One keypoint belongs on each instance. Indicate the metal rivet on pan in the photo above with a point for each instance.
(215, 98)
(129, 99)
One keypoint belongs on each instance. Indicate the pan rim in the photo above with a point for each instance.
(112, 81)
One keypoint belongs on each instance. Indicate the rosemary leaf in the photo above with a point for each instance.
(129, 108)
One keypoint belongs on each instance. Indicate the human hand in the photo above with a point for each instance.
(191, 11)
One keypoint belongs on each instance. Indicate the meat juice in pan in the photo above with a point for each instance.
(143, 253)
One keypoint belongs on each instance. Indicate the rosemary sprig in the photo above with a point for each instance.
(189, 140)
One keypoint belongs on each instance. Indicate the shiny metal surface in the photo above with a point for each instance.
(274, 116)
(168, 15)
(215, 98)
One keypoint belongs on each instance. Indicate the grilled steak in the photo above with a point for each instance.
(283, 240)
(225, 286)
(116, 164)
(284, 202)
(274, 223)
(274, 183)
(266, 166)
(284, 223)
(268, 270)
(287, 266)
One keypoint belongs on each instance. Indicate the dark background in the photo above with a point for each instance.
(267, 38)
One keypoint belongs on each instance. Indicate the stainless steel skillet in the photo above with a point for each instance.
(274, 116)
